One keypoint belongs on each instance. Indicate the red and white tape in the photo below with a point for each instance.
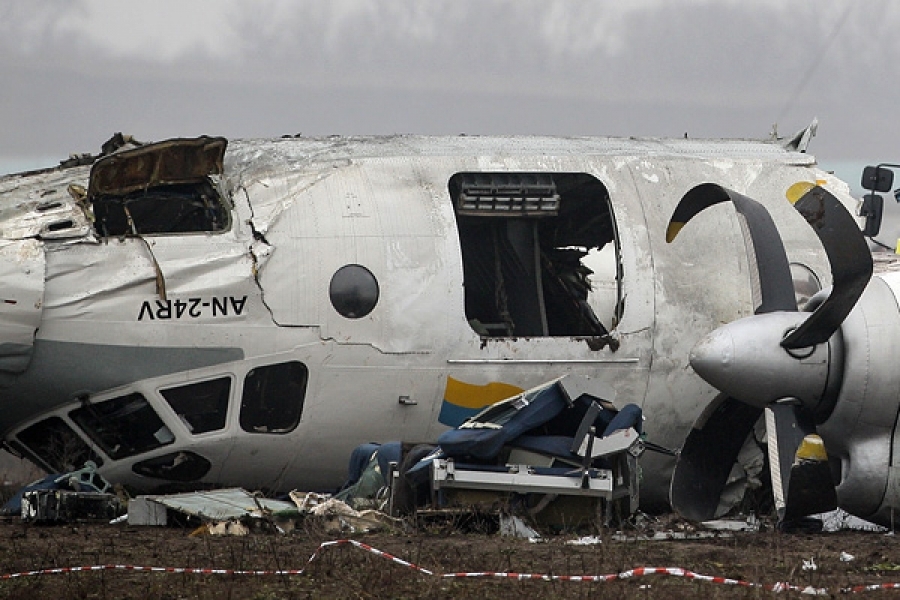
(632, 573)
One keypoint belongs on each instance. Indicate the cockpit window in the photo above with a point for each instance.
(123, 426)
(531, 247)
(159, 188)
(54, 443)
(175, 466)
(163, 209)
(201, 406)
(273, 396)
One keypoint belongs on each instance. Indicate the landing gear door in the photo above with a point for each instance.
(21, 301)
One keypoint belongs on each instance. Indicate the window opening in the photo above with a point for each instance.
(175, 466)
(163, 209)
(527, 242)
(159, 188)
(272, 400)
(123, 426)
(53, 442)
(201, 406)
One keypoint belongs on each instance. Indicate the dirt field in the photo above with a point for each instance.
(347, 571)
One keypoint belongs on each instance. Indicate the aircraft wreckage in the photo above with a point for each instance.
(207, 312)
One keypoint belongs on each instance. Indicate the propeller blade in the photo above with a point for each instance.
(851, 266)
(742, 360)
(801, 478)
(773, 287)
(709, 452)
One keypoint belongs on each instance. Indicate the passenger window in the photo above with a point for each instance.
(201, 406)
(528, 240)
(53, 442)
(123, 426)
(273, 396)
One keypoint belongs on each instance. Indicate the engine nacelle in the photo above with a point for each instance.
(859, 432)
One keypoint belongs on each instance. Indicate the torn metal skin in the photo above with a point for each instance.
(203, 326)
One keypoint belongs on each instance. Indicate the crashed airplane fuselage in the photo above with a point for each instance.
(188, 316)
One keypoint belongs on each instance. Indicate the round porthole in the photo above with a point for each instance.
(353, 291)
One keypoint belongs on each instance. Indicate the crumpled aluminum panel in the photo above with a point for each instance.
(170, 162)
(33, 205)
(21, 301)
(220, 505)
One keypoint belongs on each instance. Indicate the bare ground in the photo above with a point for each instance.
(346, 571)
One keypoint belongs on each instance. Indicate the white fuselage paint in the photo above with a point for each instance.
(304, 208)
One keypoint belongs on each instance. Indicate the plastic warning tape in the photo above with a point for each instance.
(632, 573)
(209, 571)
(189, 570)
(642, 571)
(871, 588)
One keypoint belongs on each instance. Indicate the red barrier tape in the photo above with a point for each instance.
(638, 572)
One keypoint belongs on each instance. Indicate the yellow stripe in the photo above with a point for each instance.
(673, 230)
(798, 190)
(812, 448)
(468, 395)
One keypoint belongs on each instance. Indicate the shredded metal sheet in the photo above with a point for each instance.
(232, 503)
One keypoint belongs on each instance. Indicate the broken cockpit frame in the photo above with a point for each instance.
(159, 188)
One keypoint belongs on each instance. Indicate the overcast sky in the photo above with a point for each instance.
(72, 72)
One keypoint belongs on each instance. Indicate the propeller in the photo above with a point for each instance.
(779, 362)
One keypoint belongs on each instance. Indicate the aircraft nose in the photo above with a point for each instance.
(745, 360)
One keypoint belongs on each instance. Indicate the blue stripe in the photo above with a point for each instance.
(454, 415)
